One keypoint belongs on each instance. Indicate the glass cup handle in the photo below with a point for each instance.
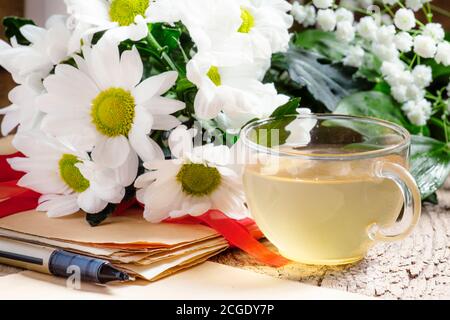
(411, 197)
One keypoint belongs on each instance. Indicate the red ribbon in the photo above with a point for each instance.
(241, 234)
(14, 199)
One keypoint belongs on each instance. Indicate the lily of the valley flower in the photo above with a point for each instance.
(198, 180)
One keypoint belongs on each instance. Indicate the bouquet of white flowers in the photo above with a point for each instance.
(108, 95)
(387, 59)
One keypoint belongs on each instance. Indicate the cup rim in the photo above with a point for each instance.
(405, 143)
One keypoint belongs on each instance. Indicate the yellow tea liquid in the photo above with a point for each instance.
(319, 212)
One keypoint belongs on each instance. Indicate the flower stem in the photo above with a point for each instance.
(152, 41)
(440, 10)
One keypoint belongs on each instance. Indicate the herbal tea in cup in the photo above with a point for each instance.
(324, 188)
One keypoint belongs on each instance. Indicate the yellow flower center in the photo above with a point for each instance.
(198, 180)
(113, 112)
(214, 75)
(248, 21)
(71, 175)
(125, 11)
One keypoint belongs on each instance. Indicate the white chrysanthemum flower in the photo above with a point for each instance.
(198, 180)
(418, 112)
(326, 20)
(266, 21)
(105, 104)
(367, 28)
(345, 31)
(386, 35)
(425, 46)
(403, 41)
(415, 5)
(122, 19)
(234, 90)
(56, 170)
(343, 14)
(237, 30)
(23, 112)
(435, 31)
(443, 53)
(323, 4)
(423, 75)
(213, 26)
(354, 57)
(405, 19)
(47, 48)
(258, 102)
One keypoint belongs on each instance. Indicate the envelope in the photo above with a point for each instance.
(127, 231)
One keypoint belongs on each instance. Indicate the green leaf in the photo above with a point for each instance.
(430, 164)
(433, 199)
(12, 29)
(324, 43)
(439, 70)
(167, 36)
(370, 68)
(263, 136)
(328, 83)
(383, 87)
(288, 108)
(372, 104)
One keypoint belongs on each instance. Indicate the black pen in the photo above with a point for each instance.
(58, 262)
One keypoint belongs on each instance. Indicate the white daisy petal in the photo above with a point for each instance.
(9, 122)
(159, 200)
(126, 173)
(196, 206)
(89, 202)
(165, 122)
(111, 152)
(60, 206)
(163, 106)
(132, 68)
(145, 147)
(153, 86)
(43, 182)
(180, 142)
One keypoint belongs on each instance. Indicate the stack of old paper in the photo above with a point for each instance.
(144, 250)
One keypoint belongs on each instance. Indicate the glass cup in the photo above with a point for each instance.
(325, 188)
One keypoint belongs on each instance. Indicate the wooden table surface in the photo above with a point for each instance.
(416, 268)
